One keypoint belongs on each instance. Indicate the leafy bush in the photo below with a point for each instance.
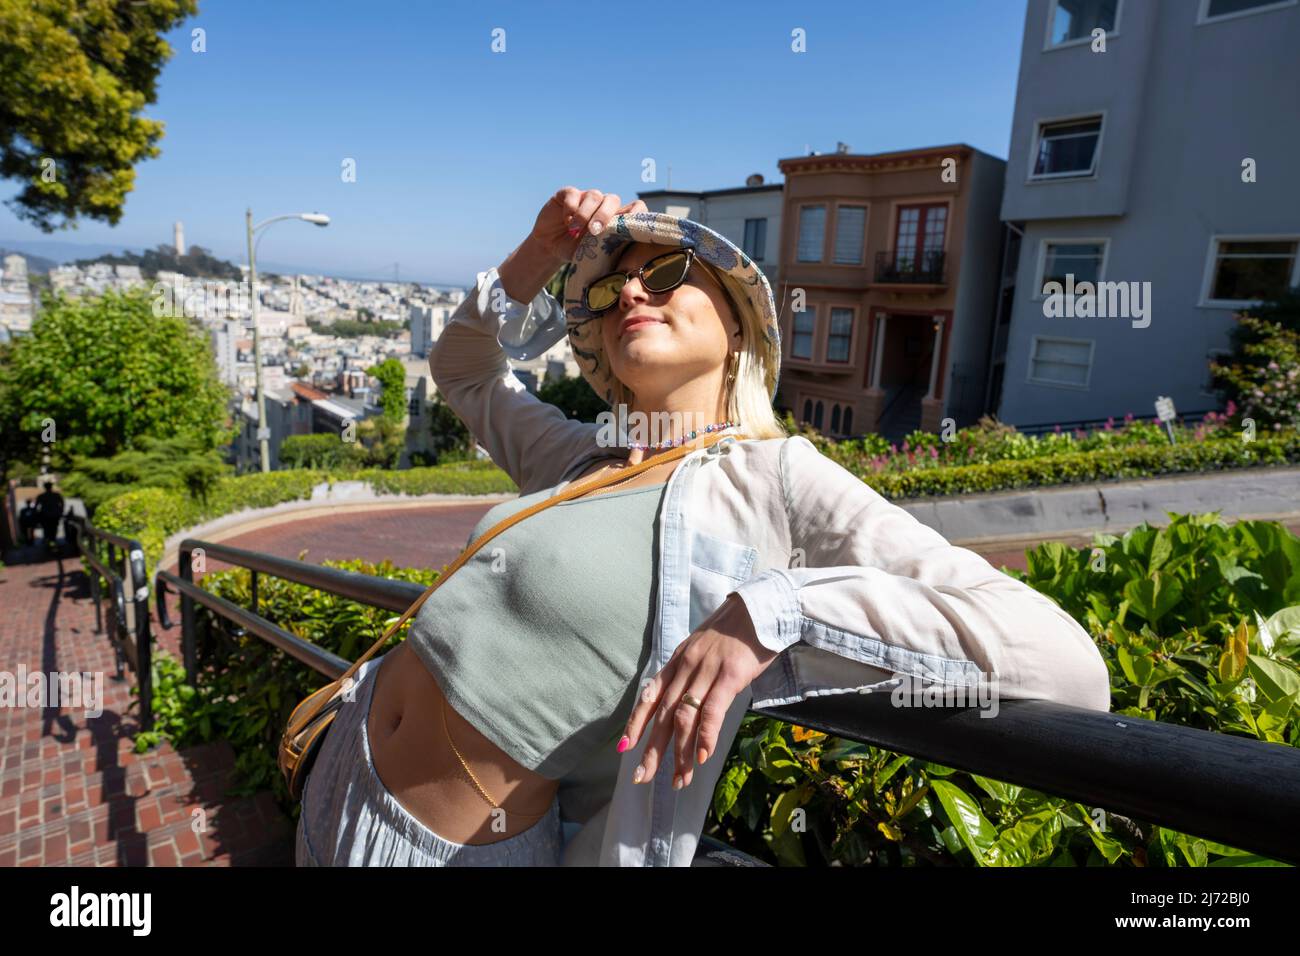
(321, 450)
(992, 441)
(181, 464)
(1199, 625)
(1265, 375)
(1135, 461)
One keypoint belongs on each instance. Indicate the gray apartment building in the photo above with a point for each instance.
(1154, 145)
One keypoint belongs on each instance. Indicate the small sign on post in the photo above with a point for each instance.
(1165, 412)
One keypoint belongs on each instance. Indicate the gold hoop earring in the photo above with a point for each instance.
(731, 384)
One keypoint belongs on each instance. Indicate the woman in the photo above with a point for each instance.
(568, 695)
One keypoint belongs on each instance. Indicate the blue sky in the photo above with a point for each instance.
(457, 147)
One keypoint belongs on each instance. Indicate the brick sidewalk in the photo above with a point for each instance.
(72, 792)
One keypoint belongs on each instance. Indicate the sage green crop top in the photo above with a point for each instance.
(540, 638)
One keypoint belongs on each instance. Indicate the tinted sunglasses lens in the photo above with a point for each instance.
(665, 272)
(603, 293)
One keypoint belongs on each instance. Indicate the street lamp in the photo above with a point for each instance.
(263, 430)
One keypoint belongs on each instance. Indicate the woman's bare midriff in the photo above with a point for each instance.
(418, 767)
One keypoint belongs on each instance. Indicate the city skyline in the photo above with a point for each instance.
(443, 199)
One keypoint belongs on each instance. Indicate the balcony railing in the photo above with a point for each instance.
(910, 268)
(1137, 769)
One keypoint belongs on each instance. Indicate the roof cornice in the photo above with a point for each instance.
(875, 163)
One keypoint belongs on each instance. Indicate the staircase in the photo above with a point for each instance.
(902, 413)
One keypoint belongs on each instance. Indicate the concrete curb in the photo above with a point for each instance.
(1113, 507)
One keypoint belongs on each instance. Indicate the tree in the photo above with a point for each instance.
(1262, 373)
(1264, 376)
(322, 450)
(574, 397)
(381, 440)
(450, 439)
(101, 374)
(1283, 311)
(392, 379)
(197, 261)
(74, 78)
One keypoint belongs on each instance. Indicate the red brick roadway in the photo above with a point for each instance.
(73, 792)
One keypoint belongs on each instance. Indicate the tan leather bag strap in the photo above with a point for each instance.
(571, 492)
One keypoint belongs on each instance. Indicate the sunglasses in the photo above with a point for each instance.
(660, 274)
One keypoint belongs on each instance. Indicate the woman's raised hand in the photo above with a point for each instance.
(571, 213)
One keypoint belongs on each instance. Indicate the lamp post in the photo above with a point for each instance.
(263, 430)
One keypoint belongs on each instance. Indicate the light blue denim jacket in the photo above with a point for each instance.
(852, 591)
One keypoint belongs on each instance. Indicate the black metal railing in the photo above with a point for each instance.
(372, 591)
(907, 268)
(1132, 769)
(120, 562)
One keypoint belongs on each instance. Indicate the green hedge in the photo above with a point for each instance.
(1139, 461)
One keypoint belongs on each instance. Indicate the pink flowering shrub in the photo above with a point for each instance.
(1265, 374)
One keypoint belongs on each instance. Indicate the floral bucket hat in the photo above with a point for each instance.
(597, 255)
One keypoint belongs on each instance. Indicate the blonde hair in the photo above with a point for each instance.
(747, 399)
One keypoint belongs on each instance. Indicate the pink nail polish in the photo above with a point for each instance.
(624, 743)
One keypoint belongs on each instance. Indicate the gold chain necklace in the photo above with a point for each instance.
(478, 786)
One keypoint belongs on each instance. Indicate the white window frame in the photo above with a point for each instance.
(1033, 350)
(1203, 10)
(1048, 45)
(811, 311)
(1052, 121)
(835, 231)
(853, 334)
(1211, 256)
(1041, 266)
(798, 229)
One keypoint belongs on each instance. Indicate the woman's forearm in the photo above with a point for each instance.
(527, 269)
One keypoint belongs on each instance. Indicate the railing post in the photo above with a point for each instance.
(143, 635)
(90, 542)
(253, 575)
(187, 620)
